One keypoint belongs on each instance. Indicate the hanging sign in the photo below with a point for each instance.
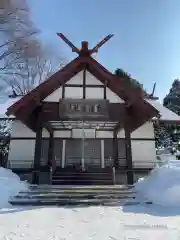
(80, 108)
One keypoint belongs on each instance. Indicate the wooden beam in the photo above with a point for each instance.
(115, 149)
(51, 149)
(130, 174)
(84, 83)
(37, 155)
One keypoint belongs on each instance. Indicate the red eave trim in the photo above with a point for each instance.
(50, 84)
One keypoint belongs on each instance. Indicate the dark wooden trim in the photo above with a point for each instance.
(63, 91)
(143, 139)
(115, 150)
(37, 155)
(130, 174)
(84, 83)
(105, 92)
(45, 169)
(50, 149)
(71, 133)
(132, 139)
(58, 129)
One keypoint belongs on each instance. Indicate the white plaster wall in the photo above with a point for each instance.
(62, 134)
(77, 79)
(112, 97)
(78, 133)
(21, 153)
(104, 134)
(73, 92)
(145, 131)
(54, 96)
(94, 93)
(92, 80)
(143, 151)
(19, 130)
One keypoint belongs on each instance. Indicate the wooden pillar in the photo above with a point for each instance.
(115, 149)
(63, 153)
(51, 149)
(130, 173)
(37, 155)
(102, 154)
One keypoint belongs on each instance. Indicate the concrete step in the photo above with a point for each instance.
(65, 202)
(70, 187)
(59, 181)
(83, 173)
(75, 196)
(76, 192)
(82, 177)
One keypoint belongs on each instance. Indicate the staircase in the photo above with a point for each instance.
(44, 195)
(72, 177)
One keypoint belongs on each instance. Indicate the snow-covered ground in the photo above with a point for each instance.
(162, 185)
(121, 222)
(107, 223)
(10, 185)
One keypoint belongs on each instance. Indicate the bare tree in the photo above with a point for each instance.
(16, 31)
(32, 72)
(24, 62)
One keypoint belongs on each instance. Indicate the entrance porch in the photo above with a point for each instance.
(83, 148)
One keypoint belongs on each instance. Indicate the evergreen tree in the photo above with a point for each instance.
(135, 83)
(163, 137)
(172, 99)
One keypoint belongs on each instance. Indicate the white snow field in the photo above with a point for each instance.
(162, 185)
(10, 185)
(107, 223)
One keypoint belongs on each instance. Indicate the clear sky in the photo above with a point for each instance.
(147, 34)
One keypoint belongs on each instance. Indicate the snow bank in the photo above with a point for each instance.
(162, 185)
(10, 185)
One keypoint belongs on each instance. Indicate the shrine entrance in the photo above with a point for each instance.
(83, 148)
(88, 125)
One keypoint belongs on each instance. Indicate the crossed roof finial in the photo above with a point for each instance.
(84, 45)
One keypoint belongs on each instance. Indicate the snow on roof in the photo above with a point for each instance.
(166, 114)
(4, 106)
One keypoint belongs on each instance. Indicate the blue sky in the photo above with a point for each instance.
(147, 34)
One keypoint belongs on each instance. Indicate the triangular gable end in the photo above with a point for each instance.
(74, 89)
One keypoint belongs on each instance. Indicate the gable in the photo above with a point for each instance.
(113, 97)
(77, 79)
(54, 96)
(92, 80)
(116, 86)
(74, 89)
